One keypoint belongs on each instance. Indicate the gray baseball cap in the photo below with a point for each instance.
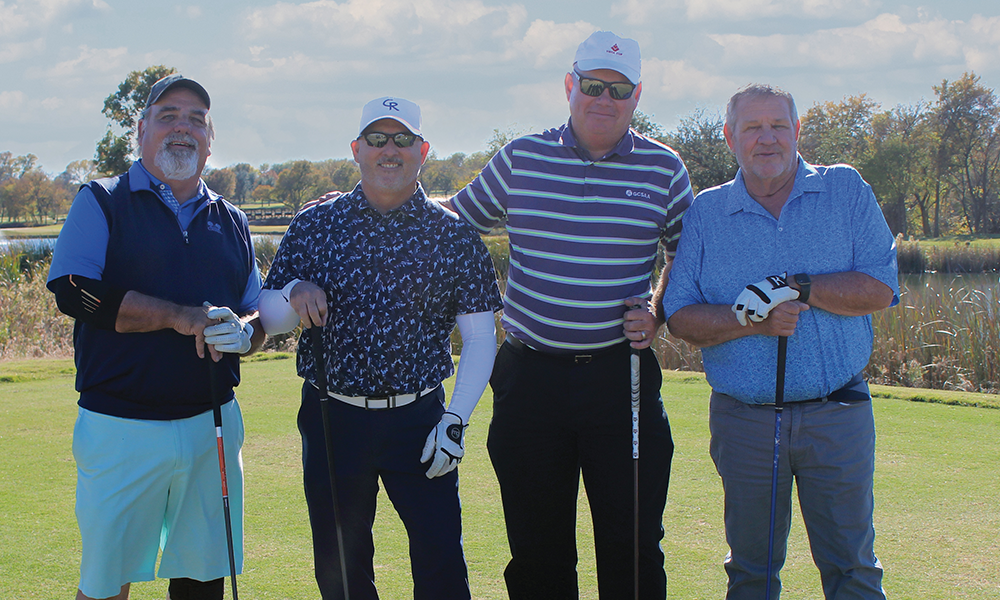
(173, 81)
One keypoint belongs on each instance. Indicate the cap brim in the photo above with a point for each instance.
(594, 64)
(409, 127)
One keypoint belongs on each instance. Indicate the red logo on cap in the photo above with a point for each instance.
(615, 47)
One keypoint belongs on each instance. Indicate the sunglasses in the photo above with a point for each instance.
(595, 87)
(379, 139)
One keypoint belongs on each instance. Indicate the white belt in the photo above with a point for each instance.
(382, 402)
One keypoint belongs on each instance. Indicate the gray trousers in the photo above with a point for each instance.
(829, 450)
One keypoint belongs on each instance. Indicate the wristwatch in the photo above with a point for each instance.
(805, 285)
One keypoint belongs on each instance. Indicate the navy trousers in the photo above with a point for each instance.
(553, 420)
(370, 445)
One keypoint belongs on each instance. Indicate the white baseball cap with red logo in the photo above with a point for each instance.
(605, 50)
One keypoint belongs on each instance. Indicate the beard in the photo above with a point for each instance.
(178, 163)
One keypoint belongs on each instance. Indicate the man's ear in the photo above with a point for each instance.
(424, 149)
(354, 149)
(729, 136)
(569, 84)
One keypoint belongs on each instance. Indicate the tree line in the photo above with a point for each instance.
(934, 165)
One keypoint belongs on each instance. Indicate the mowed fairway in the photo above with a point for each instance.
(937, 498)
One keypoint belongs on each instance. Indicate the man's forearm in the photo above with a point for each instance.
(140, 313)
(707, 325)
(850, 294)
(661, 288)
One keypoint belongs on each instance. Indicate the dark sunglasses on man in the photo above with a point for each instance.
(591, 86)
(379, 139)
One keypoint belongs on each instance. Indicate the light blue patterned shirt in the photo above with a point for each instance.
(831, 223)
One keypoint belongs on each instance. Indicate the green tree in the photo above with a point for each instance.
(895, 163)
(124, 108)
(837, 132)
(297, 184)
(246, 180)
(644, 124)
(967, 115)
(702, 146)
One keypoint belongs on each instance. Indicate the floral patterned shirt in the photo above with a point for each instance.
(394, 284)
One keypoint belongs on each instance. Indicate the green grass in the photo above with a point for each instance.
(937, 490)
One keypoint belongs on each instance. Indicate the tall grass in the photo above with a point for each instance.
(944, 337)
(961, 257)
(30, 323)
(937, 337)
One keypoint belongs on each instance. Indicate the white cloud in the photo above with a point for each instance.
(547, 40)
(19, 17)
(677, 80)
(638, 12)
(90, 60)
(376, 23)
(11, 100)
(14, 51)
(885, 41)
(191, 12)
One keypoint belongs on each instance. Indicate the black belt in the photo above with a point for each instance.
(846, 395)
(579, 359)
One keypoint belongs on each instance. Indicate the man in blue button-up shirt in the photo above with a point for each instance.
(387, 274)
(802, 251)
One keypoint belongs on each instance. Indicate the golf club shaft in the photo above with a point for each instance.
(779, 406)
(634, 364)
(324, 403)
(217, 413)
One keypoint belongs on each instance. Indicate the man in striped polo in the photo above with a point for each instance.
(586, 205)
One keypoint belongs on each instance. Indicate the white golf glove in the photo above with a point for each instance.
(445, 445)
(758, 299)
(232, 335)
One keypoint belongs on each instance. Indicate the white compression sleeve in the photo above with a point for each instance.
(479, 348)
(276, 313)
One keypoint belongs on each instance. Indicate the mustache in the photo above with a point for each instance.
(182, 138)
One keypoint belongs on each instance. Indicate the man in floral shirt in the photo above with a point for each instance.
(387, 275)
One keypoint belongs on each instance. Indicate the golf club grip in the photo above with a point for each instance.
(319, 364)
(779, 384)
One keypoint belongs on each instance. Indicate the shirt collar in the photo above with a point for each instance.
(141, 179)
(413, 208)
(807, 179)
(624, 147)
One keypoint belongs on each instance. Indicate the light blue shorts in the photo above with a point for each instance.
(145, 486)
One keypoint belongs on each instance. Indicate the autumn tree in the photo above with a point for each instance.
(220, 181)
(124, 108)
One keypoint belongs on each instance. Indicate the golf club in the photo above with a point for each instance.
(217, 412)
(779, 406)
(316, 333)
(634, 373)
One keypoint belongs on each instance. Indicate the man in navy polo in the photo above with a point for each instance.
(586, 206)
(387, 275)
(138, 257)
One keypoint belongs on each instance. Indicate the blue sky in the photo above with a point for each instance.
(288, 79)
